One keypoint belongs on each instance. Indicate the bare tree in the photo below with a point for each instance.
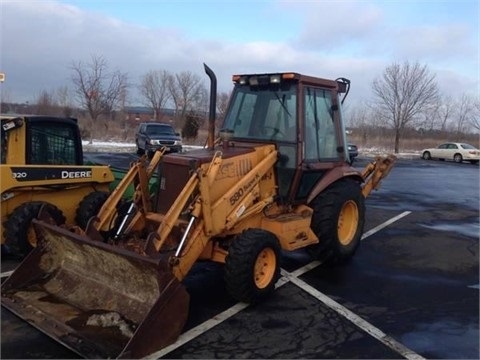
(464, 113)
(64, 101)
(222, 104)
(402, 93)
(361, 118)
(124, 124)
(445, 111)
(45, 104)
(438, 115)
(5, 100)
(186, 90)
(475, 118)
(199, 102)
(154, 88)
(98, 91)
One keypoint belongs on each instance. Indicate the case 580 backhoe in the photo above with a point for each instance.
(277, 178)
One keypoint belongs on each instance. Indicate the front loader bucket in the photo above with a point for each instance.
(98, 300)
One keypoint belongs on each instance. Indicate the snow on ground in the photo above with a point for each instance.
(116, 146)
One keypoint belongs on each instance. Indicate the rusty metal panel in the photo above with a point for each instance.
(173, 178)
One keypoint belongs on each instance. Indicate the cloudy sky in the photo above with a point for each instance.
(39, 40)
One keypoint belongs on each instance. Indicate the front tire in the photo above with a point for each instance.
(426, 156)
(90, 206)
(19, 233)
(338, 220)
(252, 266)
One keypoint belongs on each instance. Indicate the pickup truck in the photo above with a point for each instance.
(151, 136)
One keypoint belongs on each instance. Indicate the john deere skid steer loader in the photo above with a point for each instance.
(277, 178)
(42, 165)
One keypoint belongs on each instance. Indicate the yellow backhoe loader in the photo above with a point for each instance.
(42, 165)
(276, 178)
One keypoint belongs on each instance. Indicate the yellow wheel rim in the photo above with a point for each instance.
(347, 222)
(264, 268)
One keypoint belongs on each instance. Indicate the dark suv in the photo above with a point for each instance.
(151, 136)
(352, 152)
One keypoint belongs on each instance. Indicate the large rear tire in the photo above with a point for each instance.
(252, 266)
(90, 206)
(338, 220)
(19, 233)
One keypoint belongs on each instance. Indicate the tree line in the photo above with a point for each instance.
(407, 100)
(405, 97)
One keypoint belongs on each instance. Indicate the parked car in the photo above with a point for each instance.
(151, 136)
(352, 152)
(457, 152)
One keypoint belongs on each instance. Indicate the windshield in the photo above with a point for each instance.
(263, 113)
(160, 130)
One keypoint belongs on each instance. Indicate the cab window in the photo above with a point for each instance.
(265, 115)
(51, 144)
(320, 138)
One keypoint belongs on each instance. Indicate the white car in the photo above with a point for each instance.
(457, 152)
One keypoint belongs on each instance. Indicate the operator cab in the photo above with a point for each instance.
(45, 140)
(298, 113)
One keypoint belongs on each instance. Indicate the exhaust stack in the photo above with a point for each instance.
(213, 107)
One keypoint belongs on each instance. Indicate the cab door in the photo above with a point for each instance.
(320, 138)
(319, 131)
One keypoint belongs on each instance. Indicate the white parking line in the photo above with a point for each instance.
(217, 319)
(355, 319)
(292, 277)
(385, 224)
(199, 330)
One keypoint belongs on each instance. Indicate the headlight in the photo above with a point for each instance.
(178, 142)
(275, 79)
(154, 142)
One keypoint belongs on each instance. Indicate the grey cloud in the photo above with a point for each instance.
(39, 44)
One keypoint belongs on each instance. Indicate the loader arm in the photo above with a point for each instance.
(216, 218)
(237, 203)
(138, 170)
(210, 218)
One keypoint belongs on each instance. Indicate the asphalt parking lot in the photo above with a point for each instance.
(411, 291)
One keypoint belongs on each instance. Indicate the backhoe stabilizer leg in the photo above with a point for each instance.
(375, 172)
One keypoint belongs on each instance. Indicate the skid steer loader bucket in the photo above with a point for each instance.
(98, 300)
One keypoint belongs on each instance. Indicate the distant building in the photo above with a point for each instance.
(143, 113)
